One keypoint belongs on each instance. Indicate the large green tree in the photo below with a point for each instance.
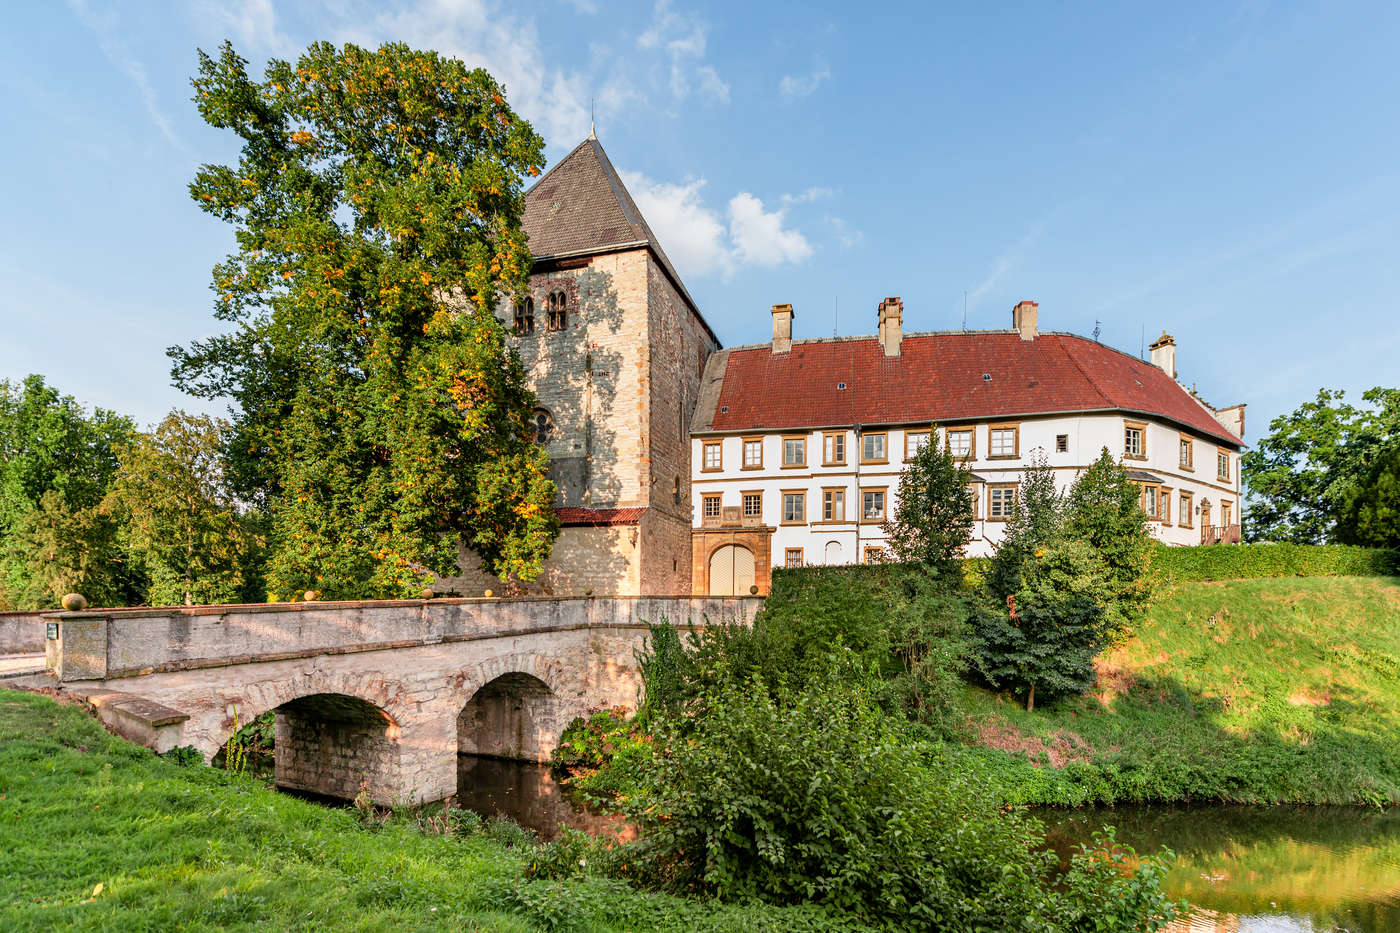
(933, 521)
(1301, 475)
(193, 538)
(378, 413)
(1370, 515)
(56, 463)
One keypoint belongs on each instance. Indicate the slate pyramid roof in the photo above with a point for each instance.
(581, 206)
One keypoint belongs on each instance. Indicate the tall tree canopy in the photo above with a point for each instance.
(56, 462)
(378, 412)
(933, 521)
(1302, 475)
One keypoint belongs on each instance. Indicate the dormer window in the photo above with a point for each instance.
(525, 317)
(556, 311)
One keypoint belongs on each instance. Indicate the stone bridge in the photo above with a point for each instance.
(385, 693)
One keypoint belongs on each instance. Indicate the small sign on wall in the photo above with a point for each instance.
(51, 631)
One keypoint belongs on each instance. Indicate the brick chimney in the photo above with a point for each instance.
(1164, 354)
(1025, 318)
(782, 328)
(891, 325)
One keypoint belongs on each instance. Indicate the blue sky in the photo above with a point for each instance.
(1227, 173)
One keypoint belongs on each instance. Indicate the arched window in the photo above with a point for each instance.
(557, 311)
(525, 317)
(544, 426)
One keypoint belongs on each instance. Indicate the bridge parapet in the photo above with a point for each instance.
(111, 644)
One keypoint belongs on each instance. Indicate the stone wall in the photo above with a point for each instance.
(334, 745)
(598, 561)
(21, 633)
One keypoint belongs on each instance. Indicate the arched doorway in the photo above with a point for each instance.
(832, 557)
(731, 571)
(513, 716)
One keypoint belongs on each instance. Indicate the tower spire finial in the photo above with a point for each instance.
(591, 133)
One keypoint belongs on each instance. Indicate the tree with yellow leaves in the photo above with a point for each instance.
(378, 415)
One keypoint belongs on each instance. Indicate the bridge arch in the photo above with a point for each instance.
(518, 709)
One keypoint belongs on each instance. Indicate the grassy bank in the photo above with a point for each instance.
(1261, 691)
(96, 833)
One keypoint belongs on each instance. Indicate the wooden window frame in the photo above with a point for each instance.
(826, 490)
(1185, 505)
(1015, 491)
(1222, 477)
(787, 558)
(783, 454)
(877, 549)
(706, 498)
(1141, 427)
(1190, 465)
(705, 460)
(556, 311)
(743, 502)
(928, 439)
(743, 452)
(525, 317)
(836, 435)
(1059, 449)
(884, 491)
(1142, 500)
(883, 434)
(782, 504)
(1015, 428)
(1164, 494)
(1227, 505)
(971, 443)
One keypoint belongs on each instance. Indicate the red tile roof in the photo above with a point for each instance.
(940, 377)
(594, 518)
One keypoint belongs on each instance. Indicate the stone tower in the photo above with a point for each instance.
(614, 347)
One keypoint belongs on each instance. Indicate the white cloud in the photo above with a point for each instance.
(104, 25)
(252, 24)
(808, 196)
(701, 242)
(846, 236)
(803, 85)
(682, 38)
(691, 233)
(759, 236)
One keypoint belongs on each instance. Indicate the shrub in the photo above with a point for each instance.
(933, 519)
(1248, 561)
(812, 796)
(1037, 518)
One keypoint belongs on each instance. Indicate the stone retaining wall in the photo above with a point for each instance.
(21, 633)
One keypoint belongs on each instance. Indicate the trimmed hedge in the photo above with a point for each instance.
(1247, 561)
(1175, 564)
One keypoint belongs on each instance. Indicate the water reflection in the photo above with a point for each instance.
(1255, 869)
(529, 794)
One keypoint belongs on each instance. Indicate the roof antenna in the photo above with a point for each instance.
(1098, 328)
(964, 309)
(591, 133)
(1142, 341)
(836, 318)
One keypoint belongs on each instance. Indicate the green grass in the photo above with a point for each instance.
(200, 849)
(1251, 691)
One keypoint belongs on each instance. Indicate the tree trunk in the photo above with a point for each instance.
(1030, 700)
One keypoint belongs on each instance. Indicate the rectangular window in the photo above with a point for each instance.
(1187, 455)
(1061, 443)
(794, 508)
(1004, 442)
(833, 505)
(1155, 501)
(874, 554)
(711, 460)
(1183, 510)
(833, 448)
(914, 441)
(795, 451)
(1164, 503)
(960, 443)
(710, 506)
(1001, 501)
(792, 557)
(1225, 514)
(753, 505)
(872, 447)
(872, 505)
(1135, 441)
(753, 453)
(1222, 467)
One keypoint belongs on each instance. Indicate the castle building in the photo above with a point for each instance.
(614, 348)
(797, 446)
(686, 468)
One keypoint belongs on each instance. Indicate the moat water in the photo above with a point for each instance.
(1245, 869)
